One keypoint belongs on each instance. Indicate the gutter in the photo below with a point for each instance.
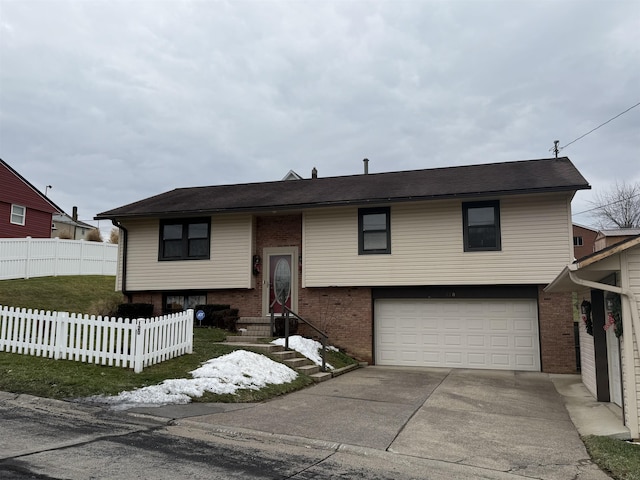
(125, 238)
(632, 327)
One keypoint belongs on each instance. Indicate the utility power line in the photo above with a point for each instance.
(557, 149)
(606, 205)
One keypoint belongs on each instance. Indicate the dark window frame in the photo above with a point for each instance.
(578, 241)
(362, 212)
(184, 223)
(466, 206)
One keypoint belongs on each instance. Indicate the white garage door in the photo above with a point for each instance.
(478, 333)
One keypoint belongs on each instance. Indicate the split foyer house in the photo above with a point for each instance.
(24, 210)
(442, 267)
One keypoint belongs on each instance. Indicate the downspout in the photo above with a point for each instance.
(121, 227)
(634, 328)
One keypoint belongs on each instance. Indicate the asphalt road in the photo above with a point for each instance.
(47, 439)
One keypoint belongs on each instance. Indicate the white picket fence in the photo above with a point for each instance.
(118, 342)
(49, 257)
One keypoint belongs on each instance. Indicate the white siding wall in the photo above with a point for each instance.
(228, 267)
(427, 246)
(587, 361)
(633, 265)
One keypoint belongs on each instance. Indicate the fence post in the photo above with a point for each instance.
(82, 260)
(28, 260)
(56, 258)
(61, 334)
(189, 331)
(104, 256)
(138, 352)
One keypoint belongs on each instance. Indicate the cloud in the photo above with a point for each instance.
(111, 102)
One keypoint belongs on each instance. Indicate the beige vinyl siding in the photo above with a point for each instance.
(427, 245)
(229, 265)
(633, 275)
(587, 360)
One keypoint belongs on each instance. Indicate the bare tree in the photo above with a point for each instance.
(619, 207)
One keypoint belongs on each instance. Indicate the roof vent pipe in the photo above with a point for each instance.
(314, 173)
(366, 166)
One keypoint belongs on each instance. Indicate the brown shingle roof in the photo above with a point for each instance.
(509, 178)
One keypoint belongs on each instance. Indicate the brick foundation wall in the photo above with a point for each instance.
(557, 339)
(345, 314)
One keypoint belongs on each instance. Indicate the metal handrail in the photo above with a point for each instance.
(286, 315)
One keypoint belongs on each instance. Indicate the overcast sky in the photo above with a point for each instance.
(110, 102)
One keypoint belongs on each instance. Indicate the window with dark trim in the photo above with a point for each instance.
(481, 226)
(577, 241)
(188, 239)
(18, 214)
(374, 231)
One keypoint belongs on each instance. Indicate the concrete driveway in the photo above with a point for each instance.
(499, 421)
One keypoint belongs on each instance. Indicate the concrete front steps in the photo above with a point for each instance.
(254, 326)
(291, 358)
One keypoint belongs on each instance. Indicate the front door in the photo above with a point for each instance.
(282, 281)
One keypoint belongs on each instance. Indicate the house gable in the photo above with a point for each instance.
(17, 195)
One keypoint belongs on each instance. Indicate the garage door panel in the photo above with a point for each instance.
(460, 333)
(476, 340)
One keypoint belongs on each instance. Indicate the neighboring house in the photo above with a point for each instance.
(608, 286)
(24, 210)
(65, 226)
(606, 238)
(583, 240)
(442, 267)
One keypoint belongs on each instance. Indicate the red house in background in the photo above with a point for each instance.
(584, 239)
(24, 210)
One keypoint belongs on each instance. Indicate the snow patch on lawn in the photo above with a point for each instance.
(225, 374)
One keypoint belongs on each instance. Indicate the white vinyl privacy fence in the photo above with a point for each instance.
(135, 343)
(49, 257)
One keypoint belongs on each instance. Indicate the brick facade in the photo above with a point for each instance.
(557, 337)
(345, 314)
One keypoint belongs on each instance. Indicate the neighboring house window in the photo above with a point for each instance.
(185, 239)
(374, 228)
(177, 303)
(577, 241)
(481, 226)
(18, 214)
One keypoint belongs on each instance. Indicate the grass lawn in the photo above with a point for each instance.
(65, 379)
(73, 294)
(620, 459)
